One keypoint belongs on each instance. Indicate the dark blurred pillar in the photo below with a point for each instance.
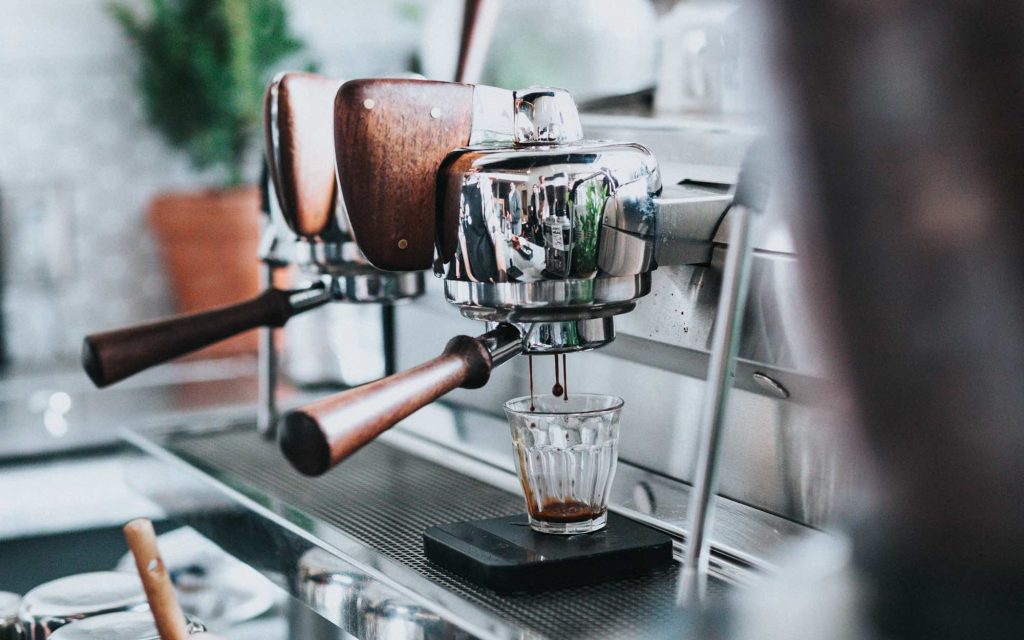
(909, 130)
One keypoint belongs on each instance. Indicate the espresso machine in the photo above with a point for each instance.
(543, 236)
(308, 229)
(410, 166)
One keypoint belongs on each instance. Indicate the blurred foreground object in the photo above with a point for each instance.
(163, 603)
(910, 143)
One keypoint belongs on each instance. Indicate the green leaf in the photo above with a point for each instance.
(203, 68)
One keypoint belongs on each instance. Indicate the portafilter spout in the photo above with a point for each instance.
(320, 435)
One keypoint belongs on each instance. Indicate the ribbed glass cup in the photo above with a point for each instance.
(566, 451)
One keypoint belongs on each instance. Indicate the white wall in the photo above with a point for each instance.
(78, 164)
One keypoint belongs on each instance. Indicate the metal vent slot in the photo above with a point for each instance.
(385, 498)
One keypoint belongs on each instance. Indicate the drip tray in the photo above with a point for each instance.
(383, 499)
(504, 554)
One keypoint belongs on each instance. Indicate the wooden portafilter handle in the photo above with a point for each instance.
(163, 602)
(322, 434)
(112, 356)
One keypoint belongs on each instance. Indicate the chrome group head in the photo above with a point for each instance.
(546, 230)
(318, 239)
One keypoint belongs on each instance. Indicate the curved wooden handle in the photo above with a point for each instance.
(163, 602)
(112, 356)
(320, 435)
(390, 136)
(298, 123)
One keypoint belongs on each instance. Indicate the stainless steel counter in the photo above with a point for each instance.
(368, 515)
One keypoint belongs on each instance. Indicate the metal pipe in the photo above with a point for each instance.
(724, 345)
(266, 374)
(751, 194)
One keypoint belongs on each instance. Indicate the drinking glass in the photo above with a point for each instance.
(566, 451)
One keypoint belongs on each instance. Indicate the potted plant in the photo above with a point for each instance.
(204, 65)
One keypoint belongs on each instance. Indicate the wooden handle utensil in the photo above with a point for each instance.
(322, 434)
(163, 602)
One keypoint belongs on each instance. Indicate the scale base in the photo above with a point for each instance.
(507, 556)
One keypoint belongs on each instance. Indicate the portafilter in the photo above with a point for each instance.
(311, 217)
(537, 232)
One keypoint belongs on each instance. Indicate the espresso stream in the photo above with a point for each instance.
(554, 510)
(561, 386)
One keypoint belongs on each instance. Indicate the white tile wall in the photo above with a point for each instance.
(78, 163)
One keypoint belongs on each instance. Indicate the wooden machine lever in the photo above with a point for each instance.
(390, 138)
(322, 434)
(298, 130)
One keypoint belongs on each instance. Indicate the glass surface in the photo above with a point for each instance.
(565, 451)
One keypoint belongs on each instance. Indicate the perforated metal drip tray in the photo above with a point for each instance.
(373, 509)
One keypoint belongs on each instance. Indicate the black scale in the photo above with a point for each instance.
(506, 555)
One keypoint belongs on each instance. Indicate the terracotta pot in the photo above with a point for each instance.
(209, 242)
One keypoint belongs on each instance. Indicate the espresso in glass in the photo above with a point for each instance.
(566, 451)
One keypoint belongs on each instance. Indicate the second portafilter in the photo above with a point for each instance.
(309, 229)
(544, 236)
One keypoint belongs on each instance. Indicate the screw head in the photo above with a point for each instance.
(435, 113)
(403, 243)
(770, 385)
(369, 103)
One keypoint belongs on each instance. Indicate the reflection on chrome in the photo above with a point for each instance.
(534, 221)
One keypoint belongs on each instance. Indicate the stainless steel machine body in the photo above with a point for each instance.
(320, 245)
(536, 243)
(555, 233)
(783, 431)
(541, 234)
(781, 474)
